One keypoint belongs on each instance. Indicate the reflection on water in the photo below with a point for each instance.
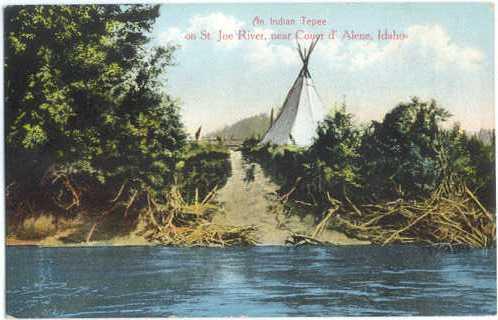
(260, 281)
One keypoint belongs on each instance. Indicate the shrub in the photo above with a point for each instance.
(203, 167)
(400, 154)
(85, 113)
(334, 156)
(407, 155)
(482, 160)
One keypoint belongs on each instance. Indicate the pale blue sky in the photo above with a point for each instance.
(448, 56)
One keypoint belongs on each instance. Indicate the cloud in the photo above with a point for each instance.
(211, 23)
(261, 53)
(265, 53)
(436, 43)
(427, 45)
(215, 22)
(172, 36)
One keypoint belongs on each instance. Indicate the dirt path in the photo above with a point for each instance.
(247, 199)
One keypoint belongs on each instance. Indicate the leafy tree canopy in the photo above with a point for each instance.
(401, 152)
(335, 153)
(82, 92)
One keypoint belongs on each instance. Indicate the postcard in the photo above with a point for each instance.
(249, 160)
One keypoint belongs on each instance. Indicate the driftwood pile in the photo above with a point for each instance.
(181, 223)
(452, 216)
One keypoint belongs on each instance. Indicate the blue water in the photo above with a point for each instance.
(259, 281)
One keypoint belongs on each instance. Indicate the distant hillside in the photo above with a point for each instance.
(245, 128)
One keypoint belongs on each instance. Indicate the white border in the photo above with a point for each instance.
(4, 3)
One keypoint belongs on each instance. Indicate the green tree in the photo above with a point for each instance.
(454, 159)
(335, 155)
(482, 160)
(83, 104)
(400, 154)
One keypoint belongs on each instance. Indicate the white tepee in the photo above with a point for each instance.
(301, 112)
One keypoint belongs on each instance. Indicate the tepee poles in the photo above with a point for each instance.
(305, 56)
(302, 109)
(304, 72)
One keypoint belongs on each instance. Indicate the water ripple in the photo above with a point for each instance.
(261, 281)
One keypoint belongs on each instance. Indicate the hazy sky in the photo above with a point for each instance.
(448, 55)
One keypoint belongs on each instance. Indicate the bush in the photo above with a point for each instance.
(334, 157)
(400, 154)
(203, 167)
(85, 113)
(408, 155)
(482, 160)
(329, 165)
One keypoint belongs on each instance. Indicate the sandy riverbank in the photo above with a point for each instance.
(56, 241)
(247, 199)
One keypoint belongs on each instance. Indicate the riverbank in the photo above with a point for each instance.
(450, 213)
(55, 242)
(329, 236)
(337, 238)
(267, 235)
(48, 244)
(247, 201)
(63, 239)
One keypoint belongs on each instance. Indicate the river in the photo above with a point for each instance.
(256, 281)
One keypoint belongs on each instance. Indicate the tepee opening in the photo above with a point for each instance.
(302, 109)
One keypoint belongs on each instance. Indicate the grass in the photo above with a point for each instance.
(33, 228)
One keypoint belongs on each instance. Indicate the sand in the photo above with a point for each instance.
(248, 198)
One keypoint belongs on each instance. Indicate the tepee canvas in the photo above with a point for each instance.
(301, 112)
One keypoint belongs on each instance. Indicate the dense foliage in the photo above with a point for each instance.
(81, 91)
(203, 168)
(335, 164)
(407, 155)
(400, 154)
(88, 126)
(481, 159)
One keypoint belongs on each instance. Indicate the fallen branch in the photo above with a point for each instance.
(321, 226)
(120, 192)
(301, 239)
